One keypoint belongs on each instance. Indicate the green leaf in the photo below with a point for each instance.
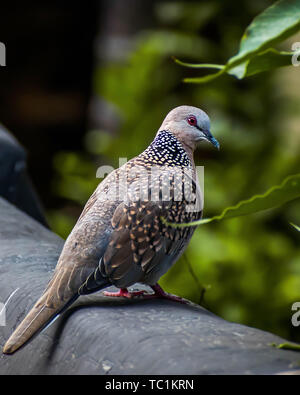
(206, 78)
(296, 227)
(255, 55)
(275, 24)
(198, 66)
(287, 346)
(265, 61)
(274, 197)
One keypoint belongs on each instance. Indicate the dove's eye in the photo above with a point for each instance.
(192, 120)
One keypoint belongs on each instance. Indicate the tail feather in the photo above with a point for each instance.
(40, 316)
(58, 296)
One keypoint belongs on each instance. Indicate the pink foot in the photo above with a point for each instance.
(160, 293)
(124, 293)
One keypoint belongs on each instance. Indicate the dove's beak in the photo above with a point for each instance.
(214, 142)
(209, 137)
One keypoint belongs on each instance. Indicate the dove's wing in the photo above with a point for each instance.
(142, 247)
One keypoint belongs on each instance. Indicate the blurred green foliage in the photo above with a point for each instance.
(245, 269)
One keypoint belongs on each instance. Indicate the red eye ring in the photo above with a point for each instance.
(192, 120)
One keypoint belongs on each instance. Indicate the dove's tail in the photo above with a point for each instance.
(41, 315)
(61, 292)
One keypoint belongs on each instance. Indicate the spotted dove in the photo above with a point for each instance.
(123, 235)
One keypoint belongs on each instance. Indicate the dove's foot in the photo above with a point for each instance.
(124, 293)
(160, 293)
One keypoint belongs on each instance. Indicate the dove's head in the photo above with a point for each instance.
(189, 125)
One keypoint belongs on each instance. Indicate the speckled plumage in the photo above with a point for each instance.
(165, 150)
(141, 246)
(120, 237)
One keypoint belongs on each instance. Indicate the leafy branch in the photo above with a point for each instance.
(276, 196)
(256, 54)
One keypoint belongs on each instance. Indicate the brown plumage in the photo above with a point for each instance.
(120, 237)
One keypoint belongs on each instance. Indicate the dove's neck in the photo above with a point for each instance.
(166, 149)
(190, 153)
